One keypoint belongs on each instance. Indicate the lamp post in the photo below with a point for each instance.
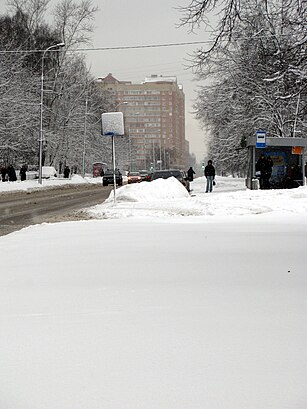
(41, 137)
(84, 138)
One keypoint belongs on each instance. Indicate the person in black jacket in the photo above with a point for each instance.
(23, 172)
(190, 173)
(210, 175)
(264, 166)
(3, 171)
(66, 172)
(11, 173)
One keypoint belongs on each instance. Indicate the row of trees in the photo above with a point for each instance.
(255, 73)
(72, 103)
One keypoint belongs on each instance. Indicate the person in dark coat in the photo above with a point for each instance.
(66, 172)
(23, 172)
(11, 173)
(3, 171)
(210, 175)
(190, 173)
(264, 166)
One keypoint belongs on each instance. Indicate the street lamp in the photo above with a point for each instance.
(41, 138)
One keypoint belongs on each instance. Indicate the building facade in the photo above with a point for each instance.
(154, 116)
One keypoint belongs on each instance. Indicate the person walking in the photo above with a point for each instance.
(23, 172)
(210, 175)
(190, 173)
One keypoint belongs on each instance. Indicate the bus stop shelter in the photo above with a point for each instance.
(288, 155)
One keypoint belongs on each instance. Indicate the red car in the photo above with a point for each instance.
(134, 177)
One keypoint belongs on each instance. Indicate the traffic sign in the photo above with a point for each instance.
(260, 139)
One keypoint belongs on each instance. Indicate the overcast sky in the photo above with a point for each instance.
(139, 22)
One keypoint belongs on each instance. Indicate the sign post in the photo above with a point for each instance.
(113, 125)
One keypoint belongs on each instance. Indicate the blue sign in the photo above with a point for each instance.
(260, 139)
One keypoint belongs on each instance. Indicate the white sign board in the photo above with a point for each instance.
(112, 123)
(260, 139)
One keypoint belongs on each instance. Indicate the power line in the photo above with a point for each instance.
(132, 47)
(128, 47)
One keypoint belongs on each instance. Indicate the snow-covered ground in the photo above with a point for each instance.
(167, 301)
(28, 185)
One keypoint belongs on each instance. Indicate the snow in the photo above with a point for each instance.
(112, 123)
(164, 300)
(30, 185)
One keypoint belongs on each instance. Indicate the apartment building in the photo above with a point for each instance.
(154, 116)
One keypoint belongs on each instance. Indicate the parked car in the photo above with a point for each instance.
(108, 177)
(134, 177)
(145, 175)
(48, 172)
(176, 173)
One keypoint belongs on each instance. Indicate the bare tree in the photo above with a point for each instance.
(66, 84)
(257, 69)
(74, 21)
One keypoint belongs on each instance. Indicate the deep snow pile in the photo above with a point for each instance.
(169, 198)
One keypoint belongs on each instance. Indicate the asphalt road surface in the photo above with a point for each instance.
(22, 209)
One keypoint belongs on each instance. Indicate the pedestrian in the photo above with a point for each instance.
(23, 172)
(66, 172)
(210, 175)
(3, 171)
(190, 173)
(264, 166)
(11, 173)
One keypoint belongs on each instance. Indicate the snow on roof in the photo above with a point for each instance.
(160, 78)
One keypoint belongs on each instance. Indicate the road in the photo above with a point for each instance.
(22, 209)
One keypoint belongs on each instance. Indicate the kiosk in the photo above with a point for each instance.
(288, 155)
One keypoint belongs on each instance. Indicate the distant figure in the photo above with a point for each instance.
(11, 173)
(293, 176)
(3, 171)
(190, 174)
(66, 172)
(210, 175)
(264, 166)
(23, 172)
(102, 172)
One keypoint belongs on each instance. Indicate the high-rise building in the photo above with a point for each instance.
(154, 117)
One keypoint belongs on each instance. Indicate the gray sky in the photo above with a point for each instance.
(139, 22)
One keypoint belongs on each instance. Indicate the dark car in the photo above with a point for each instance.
(108, 178)
(146, 175)
(176, 173)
